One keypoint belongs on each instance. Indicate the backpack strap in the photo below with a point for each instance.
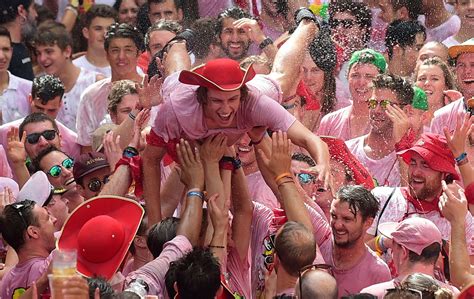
(383, 210)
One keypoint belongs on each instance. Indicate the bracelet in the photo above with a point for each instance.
(237, 163)
(195, 193)
(381, 245)
(217, 246)
(378, 250)
(73, 9)
(132, 117)
(267, 41)
(284, 180)
(463, 162)
(461, 157)
(285, 174)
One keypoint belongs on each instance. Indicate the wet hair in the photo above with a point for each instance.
(4, 32)
(360, 200)
(52, 33)
(9, 9)
(37, 160)
(119, 89)
(447, 73)
(401, 86)
(361, 12)
(162, 25)
(36, 117)
(99, 11)
(202, 94)
(160, 233)
(234, 12)
(46, 88)
(303, 158)
(295, 247)
(15, 221)
(105, 289)
(177, 3)
(414, 7)
(402, 33)
(124, 30)
(198, 272)
(205, 32)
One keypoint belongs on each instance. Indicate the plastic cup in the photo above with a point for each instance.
(56, 285)
(64, 262)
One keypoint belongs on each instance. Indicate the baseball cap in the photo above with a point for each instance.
(420, 100)
(413, 233)
(88, 163)
(37, 188)
(369, 56)
(465, 47)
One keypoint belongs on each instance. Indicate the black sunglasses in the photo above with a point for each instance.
(302, 271)
(34, 137)
(345, 23)
(95, 183)
(18, 208)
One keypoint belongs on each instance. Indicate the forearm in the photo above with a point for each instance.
(69, 19)
(214, 183)
(119, 182)
(459, 262)
(226, 176)
(125, 130)
(177, 59)
(293, 205)
(467, 173)
(218, 246)
(242, 211)
(316, 148)
(191, 218)
(265, 146)
(151, 182)
(171, 194)
(21, 173)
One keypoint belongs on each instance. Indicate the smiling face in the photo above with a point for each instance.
(6, 52)
(52, 59)
(348, 227)
(122, 55)
(465, 11)
(430, 78)
(379, 121)
(430, 50)
(128, 103)
(95, 34)
(65, 178)
(235, 42)
(360, 79)
(220, 108)
(128, 12)
(33, 149)
(424, 182)
(465, 74)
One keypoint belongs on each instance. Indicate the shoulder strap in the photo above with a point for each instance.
(383, 210)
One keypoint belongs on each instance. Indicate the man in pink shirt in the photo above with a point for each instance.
(449, 114)
(416, 245)
(28, 228)
(352, 121)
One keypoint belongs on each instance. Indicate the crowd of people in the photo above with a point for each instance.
(237, 148)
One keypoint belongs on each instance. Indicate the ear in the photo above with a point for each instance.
(30, 99)
(33, 232)
(409, 110)
(402, 14)
(368, 223)
(68, 52)
(397, 50)
(180, 14)
(139, 241)
(85, 32)
(175, 287)
(22, 11)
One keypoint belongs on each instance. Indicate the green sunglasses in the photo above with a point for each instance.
(56, 170)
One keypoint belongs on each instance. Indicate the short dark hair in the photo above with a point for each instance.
(51, 33)
(14, 221)
(400, 85)
(359, 10)
(233, 12)
(124, 30)
(303, 158)
(295, 247)
(44, 152)
(4, 32)
(9, 9)
(413, 7)
(47, 88)
(177, 3)
(105, 289)
(198, 272)
(142, 230)
(429, 255)
(160, 233)
(360, 200)
(205, 30)
(98, 11)
(36, 117)
(163, 25)
(402, 33)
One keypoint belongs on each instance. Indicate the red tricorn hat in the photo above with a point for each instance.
(101, 230)
(222, 74)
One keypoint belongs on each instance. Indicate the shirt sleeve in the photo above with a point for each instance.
(267, 112)
(166, 123)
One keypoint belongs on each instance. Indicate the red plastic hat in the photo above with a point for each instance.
(340, 152)
(434, 150)
(101, 230)
(222, 74)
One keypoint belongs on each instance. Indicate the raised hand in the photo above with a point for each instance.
(191, 170)
(453, 202)
(213, 148)
(141, 122)
(457, 140)
(112, 148)
(401, 121)
(280, 159)
(252, 29)
(6, 198)
(149, 93)
(15, 146)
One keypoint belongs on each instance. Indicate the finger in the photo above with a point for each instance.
(184, 152)
(447, 134)
(97, 293)
(23, 137)
(189, 152)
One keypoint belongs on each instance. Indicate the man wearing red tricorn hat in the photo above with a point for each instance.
(221, 98)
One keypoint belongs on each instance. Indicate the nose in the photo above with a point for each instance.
(122, 54)
(42, 141)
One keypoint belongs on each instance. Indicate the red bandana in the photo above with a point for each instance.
(421, 206)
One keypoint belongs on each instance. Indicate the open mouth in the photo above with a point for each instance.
(468, 81)
(69, 181)
(225, 117)
(244, 149)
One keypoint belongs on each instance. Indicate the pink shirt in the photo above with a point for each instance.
(447, 116)
(238, 273)
(22, 276)
(386, 170)
(154, 272)
(338, 124)
(260, 192)
(182, 116)
(14, 99)
(5, 170)
(443, 31)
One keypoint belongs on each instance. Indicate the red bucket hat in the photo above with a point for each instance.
(434, 150)
(340, 152)
(222, 74)
(101, 230)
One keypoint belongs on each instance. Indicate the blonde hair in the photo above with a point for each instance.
(119, 90)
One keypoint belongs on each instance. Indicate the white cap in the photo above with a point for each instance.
(37, 189)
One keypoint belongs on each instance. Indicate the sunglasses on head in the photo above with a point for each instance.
(345, 23)
(56, 170)
(19, 208)
(34, 137)
(95, 183)
(306, 178)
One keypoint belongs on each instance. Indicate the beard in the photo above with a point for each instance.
(28, 31)
(350, 241)
(244, 47)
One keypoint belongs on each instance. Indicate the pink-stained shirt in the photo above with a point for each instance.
(343, 94)
(386, 170)
(443, 31)
(22, 276)
(14, 99)
(92, 110)
(338, 124)
(380, 289)
(265, 224)
(181, 115)
(154, 272)
(5, 170)
(447, 116)
(398, 209)
(260, 192)
(238, 273)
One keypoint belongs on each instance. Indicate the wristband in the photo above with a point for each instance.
(378, 250)
(237, 163)
(135, 165)
(267, 41)
(217, 246)
(195, 193)
(285, 174)
(460, 158)
(284, 180)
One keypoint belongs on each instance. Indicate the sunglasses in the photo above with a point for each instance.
(95, 184)
(18, 208)
(34, 137)
(345, 23)
(56, 170)
(373, 103)
(302, 271)
(306, 178)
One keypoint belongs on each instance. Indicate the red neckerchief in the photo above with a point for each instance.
(420, 205)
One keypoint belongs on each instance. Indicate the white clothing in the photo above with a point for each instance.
(443, 31)
(82, 62)
(14, 99)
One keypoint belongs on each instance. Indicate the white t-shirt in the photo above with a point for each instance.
(443, 31)
(82, 62)
(14, 99)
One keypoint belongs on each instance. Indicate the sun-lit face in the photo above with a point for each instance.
(128, 12)
(221, 107)
(430, 78)
(65, 179)
(52, 59)
(431, 50)
(158, 39)
(58, 209)
(313, 76)
(128, 103)
(246, 152)
(235, 42)
(165, 10)
(51, 108)
(46, 225)
(465, 11)
(348, 227)
(96, 178)
(122, 56)
(6, 52)
(379, 120)
(95, 34)
(465, 74)
(360, 79)
(425, 183)
(33, 149)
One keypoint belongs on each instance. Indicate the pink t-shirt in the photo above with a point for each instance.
(379, 289)
(338, 124)
(386, 170)
(238, 273)
(443, 31)
(154, 272)
(182, 116)
(5, 170)
(447, 116)
(260, 192)
(22, 276)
